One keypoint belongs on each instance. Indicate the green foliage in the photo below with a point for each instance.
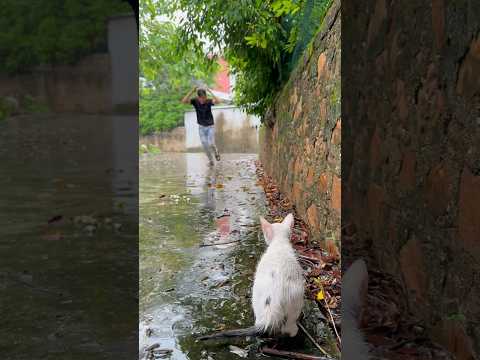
(336, 94)
(168, 72)
(33, 106)
(304, 27)
(262, 40)
(456, 317)
(6, 109)
(52, 31)
(284, 7)
(160, 110)
(25, 105)
(148, 149)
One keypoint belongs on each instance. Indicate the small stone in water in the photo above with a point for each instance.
(89, 228)
(238, 351)
(27, 278)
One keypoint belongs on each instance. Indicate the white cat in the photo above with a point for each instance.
(278, 288)
(354, 292)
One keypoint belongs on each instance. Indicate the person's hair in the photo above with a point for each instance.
(201, 92)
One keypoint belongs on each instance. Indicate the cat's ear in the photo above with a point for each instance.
(288, 221)
(267, 230)
(354, 289)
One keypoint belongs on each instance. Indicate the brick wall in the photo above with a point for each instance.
(411, 169)
(300, 143)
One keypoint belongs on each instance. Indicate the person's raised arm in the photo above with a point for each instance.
(186, 98)
(215, 99)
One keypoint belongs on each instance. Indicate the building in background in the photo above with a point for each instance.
(224, 80)
(235, 130)
(123, 50)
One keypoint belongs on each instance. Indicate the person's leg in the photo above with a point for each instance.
(211, 139)
(203, 132)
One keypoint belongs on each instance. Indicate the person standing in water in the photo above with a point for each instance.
(206, 125)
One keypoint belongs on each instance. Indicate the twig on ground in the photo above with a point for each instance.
(312, 339)
(34, 287)
(331, 317)
(312, 259)
(152, 347)
(222, 243)
(308, 262)
(291, 354)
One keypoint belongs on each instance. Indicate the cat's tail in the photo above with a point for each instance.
(250, 331)
(354, 292)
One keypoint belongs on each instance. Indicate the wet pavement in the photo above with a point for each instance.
(68, 237)
(186, 287)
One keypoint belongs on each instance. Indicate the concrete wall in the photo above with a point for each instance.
(300, 144)
(168, 141)
(235, 131)
(123, 49)
(411, 139)
(84, 87)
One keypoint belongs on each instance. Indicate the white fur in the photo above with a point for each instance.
(279, 277)
(354, 287)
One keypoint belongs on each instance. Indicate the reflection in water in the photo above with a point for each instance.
(187, 289)
(77, 273)
(125, 163)
(223, 227)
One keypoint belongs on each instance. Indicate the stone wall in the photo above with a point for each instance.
(411, 169)
(85, 87)
(300, 142)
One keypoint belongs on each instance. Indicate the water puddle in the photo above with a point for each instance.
(68, 218)
(188, 285)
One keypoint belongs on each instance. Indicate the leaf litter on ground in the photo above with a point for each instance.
(391, 330)
(322, 269)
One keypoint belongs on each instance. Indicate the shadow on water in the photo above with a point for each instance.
(185, 288)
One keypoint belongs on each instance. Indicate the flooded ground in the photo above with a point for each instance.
(190, 283)
(68, 237)
(185, 287)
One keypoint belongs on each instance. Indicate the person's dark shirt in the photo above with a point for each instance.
(204, 111)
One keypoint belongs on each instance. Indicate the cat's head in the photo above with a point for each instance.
(277, 230)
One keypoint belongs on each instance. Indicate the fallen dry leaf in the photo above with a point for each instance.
(55, 219)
